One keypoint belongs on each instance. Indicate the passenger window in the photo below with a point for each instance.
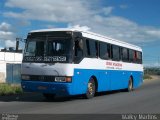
(131, 55)
(124, 54)
(115, 53)
(135, 57)
(139, 57)
(92, 48)
(104, 50)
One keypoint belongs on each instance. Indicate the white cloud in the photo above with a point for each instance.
(10, 43)
(50, 10)
(4, 35)
(7, 37)
(154, 32)
(5, 26)
(5, 31)
(121, 28)
(107, 10)
(80, 13)
(83, 28)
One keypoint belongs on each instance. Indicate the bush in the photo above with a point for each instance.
(146, 76)
(7, 89)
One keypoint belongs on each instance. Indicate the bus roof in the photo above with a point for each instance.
(93, 35)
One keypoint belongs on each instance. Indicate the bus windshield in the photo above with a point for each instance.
(50, 49)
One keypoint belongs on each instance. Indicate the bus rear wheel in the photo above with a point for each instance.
(91, 89)
(130, 85)
(49, 96)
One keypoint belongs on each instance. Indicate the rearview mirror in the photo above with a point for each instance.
(79, 43)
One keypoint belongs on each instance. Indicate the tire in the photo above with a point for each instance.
(130, 85)
(49, 96)
(91, 89)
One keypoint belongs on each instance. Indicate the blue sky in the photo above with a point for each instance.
(133, 21)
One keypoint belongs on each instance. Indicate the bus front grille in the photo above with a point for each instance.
(42, 78)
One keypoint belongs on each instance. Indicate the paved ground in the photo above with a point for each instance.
(145, 99)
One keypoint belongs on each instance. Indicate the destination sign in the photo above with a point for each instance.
(45, 59)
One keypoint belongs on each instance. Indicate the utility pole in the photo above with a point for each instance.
(158, 62)
(17, 44)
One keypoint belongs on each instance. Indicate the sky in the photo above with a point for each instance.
(132, 21)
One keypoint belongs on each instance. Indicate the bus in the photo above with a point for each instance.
(66, 62)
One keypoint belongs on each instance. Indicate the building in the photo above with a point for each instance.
(10, 65)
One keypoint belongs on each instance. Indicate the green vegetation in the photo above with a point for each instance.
(7, 89)
(147, 76)
(149, 71)
(152, 71)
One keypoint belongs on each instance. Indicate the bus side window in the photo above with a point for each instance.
(91, 48)
(124, 54)
(109, 51)
(139, 57)
(115, 52)
(131, 55)
(104, 50)
(135, 56)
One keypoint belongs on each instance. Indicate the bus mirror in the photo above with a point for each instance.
(80, 43)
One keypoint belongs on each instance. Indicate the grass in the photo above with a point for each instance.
(7, 89)
(147, 76)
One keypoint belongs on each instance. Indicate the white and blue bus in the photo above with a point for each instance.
(61, 62)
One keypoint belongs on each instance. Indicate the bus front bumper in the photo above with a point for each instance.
(59, 89)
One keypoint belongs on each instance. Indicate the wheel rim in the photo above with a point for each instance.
(91, 88)
(130, 85)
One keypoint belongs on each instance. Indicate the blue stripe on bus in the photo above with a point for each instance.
(107, 80)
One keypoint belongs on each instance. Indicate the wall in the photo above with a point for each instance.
(10, 63)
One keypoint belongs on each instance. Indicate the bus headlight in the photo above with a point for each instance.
(63, 79)
(25, 77)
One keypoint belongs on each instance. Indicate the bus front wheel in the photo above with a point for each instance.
(91, 89)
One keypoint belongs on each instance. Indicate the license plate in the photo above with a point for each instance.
(42, 87)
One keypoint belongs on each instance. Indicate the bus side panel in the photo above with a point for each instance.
(120, 79)
(103, 81)
(107, 79)
(117, 79)
(137, 79)
(125, 78)
(81, 78)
